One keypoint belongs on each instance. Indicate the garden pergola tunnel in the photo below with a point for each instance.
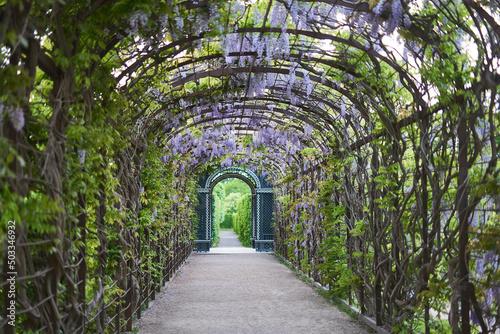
(376, 124)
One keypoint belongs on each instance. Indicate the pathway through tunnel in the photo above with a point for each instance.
(242, 293)
(231, 214)
(229, 243)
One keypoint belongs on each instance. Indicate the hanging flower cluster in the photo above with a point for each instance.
(15, 115)
(205, 144)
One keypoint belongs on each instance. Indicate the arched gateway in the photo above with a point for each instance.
(262, 208)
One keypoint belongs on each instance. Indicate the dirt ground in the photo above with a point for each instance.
(241, 292)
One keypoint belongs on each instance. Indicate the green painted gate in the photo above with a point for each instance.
(262, 238)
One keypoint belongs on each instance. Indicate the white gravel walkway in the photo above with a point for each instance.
(237, 291)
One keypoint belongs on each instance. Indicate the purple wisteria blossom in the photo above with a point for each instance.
(17, 118)
(396, 16)
(308, 129)
(379, 8)
(227, 163)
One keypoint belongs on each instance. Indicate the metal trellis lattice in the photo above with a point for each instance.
(262, 208)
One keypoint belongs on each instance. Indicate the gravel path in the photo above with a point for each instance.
(231, 292)
(228, 239)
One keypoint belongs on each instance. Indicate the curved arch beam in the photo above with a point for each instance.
(236, 176)
(233, 170)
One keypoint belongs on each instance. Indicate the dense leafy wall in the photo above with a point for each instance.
(100, 220)
(385, 235)
(242, 220)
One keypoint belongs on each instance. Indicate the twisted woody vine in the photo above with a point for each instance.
(376, 122)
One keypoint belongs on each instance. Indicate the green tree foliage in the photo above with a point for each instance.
(230, 209)
(236, 186)
(226, 194)
(242, 219)
(71, 164)
(218, 205)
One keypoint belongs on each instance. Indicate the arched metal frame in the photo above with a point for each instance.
(246, 175)
(262, 208)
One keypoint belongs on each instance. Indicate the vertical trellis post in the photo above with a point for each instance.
(254, 217)
(462, 203)
(129, 297)
(348, 218)
(424, 146)
(356, 246)
(117, 317)
(82, 267)
(139, 275)
(373, 223)
(164, 260)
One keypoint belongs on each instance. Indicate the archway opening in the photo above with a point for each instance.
(232, 210)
